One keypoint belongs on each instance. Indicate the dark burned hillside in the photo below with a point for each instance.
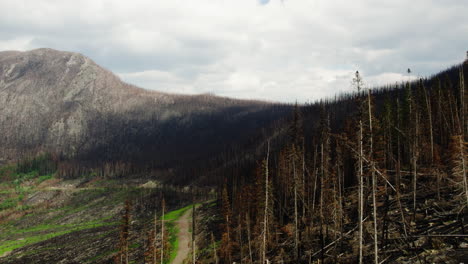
(64, 104)
(365, 178)
(192, 137)
(195, 141)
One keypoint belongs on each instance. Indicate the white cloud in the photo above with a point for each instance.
(21, 43)
(276, 50)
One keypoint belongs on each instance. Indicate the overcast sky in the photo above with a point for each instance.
(264, 49)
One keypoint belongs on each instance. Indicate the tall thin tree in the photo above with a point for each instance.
(265, 216)
(374, 200)
(163, 208)
(194, 255)
(357, 81)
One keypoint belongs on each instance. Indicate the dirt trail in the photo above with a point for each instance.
(184, 237)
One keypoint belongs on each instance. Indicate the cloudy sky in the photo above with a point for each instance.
(265, 49)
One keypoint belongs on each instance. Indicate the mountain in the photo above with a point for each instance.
(77, 144)
(370, 177)
(64, 103)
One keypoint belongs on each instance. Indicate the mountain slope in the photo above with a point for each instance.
(48, 97)
(64, 103)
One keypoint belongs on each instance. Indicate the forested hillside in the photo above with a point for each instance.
(375, 176)
(64, 104)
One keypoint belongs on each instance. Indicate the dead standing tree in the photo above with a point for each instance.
(460, 162)
(358, 83)
(123, 256)
(265, 217)
(163, 205)
(374, 181)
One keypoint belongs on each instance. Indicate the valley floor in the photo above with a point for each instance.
(78, 221)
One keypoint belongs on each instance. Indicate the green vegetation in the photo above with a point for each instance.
(176, 214)
(14, 189)
(13, 177)
(80, 212)
(19, 178)
(8, 203)
(173, 230)
(173, 241)
(43, 164)
(43, 232)
(8, 246)
(6, 170)
(39, 168)
(45, 177)
(43, 215)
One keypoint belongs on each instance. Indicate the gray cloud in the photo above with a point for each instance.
(284, 51)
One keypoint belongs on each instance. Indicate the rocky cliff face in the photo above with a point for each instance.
(47, 98)
(61, 101)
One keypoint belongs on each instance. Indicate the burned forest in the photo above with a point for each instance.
(376, 176)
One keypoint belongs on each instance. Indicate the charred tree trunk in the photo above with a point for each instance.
(265, 217)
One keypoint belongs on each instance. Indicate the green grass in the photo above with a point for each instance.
(173, 230)
(8, 246)
(173, 241)
(45, 177)
(176, 214)
(45, 232)
(13, 236)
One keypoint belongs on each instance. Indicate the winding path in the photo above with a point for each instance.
(183, 236)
